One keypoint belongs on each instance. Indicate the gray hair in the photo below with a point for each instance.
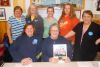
(55, 24)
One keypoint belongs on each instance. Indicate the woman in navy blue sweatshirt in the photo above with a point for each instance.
(54, 38)
(26, 46)
(34, 18)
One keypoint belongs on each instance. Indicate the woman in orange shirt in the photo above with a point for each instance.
(68, 21)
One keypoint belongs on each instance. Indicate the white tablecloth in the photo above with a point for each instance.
(48, 64)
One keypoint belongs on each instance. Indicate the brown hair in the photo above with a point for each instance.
(50, 8)
(72, 11)
(26, 25)
(18, 7)
(89, 12)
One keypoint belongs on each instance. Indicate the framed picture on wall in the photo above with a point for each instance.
(2, 14)
(78, 13)
(4, 2)
(96, 6)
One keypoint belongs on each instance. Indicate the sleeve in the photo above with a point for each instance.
(9, 20)
(40, 29)
(35, 54)
(97, 31)
(45, 57)
(27, 19)
(75, 21)
(69, 50)
(14, 51)
(38, 52)
(75, 29)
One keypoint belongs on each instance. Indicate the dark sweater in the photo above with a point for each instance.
(86, 49)
(38, 23)
(47, 47)
(24, 47)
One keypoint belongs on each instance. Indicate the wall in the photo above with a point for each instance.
(89, 4)
(9, 9)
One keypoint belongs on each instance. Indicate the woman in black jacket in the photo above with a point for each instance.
(87, 34)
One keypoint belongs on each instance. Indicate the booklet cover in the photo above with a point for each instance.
(60, 51)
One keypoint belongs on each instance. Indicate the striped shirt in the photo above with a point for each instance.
(16, 26)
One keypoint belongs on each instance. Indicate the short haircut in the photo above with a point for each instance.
(55, 24)
(18, 7)
(89, 12)
(50, 8)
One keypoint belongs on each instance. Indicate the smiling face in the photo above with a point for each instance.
(50, 12)
(17, 13)
(87, 18)
(67, 9)
(33, 9)
(54, 32)
(29, 30)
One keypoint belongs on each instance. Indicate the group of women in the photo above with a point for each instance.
(31, 36)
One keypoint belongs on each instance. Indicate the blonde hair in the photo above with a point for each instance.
(29, 9)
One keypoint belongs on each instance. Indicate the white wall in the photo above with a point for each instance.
(89, 4)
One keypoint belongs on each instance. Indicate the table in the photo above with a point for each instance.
(48, 64)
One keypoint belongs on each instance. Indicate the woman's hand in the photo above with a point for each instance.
(26, 61)
(10, 41)
(67, 60)
(70, 34)
(97, 41)
(53, 60)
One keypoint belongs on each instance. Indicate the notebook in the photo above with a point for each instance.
(60, 51)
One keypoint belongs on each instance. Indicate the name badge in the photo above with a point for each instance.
(35, 41)
(90, 33)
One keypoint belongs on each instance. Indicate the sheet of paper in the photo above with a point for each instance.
(99, 64)
(60, 51)
(84, 64)
(20, 65)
